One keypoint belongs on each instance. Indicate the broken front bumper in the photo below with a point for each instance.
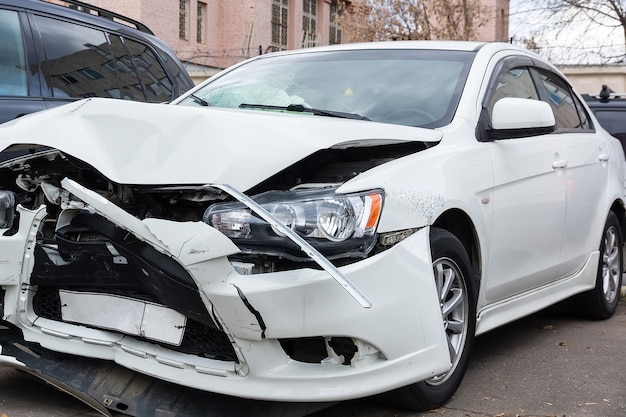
(200, 322)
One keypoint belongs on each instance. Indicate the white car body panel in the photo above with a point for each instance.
(528, 200)
(148, 147)
(296, 303)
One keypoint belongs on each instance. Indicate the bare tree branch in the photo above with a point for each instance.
(377, 20)
(578, 31)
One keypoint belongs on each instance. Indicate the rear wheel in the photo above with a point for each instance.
(601, 302)
(457, 298)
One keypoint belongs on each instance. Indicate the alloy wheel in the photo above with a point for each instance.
(611, 265)
(454, 304)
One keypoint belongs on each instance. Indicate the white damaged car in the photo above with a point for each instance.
(311, 226)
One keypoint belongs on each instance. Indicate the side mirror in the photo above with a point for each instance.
(519, 117)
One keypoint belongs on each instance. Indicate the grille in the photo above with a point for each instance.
(198, 339)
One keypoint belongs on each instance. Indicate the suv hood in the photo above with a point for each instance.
(139, 143)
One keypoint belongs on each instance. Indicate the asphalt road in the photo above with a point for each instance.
(548, 364)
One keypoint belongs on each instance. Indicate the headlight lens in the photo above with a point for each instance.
(337, 224)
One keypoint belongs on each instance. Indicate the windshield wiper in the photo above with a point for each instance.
(200, 100)
(300, 108)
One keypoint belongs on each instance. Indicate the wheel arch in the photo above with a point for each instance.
(618, 209)
(459, 224)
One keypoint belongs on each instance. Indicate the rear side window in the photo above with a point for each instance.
(131, 88)
(152, 75)
(568, 111)
(13, 79)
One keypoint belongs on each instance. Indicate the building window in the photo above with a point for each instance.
(183, 20)
(200, 22)
(309, 23)
(280, 15)
(334, 36)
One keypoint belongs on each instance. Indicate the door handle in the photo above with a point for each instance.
(560, 163)
(603, 157)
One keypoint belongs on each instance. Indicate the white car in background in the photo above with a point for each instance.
(312, 225)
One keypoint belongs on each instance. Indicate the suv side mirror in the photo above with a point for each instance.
(520, 117)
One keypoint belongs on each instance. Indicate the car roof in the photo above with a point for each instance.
(409, 44)
(434, 45)
(77, 10)
(481, 48)
(105, 20)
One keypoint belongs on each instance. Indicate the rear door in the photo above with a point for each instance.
(588, 156)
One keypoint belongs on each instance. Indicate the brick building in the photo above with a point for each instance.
(496, 25)
(210, 35)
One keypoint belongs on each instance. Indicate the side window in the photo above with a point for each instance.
(181, 84)
(516, 82)
(77, 60)
(157, 85)
(613, 122)
(131, 88)
(557, 93)
(13, 79)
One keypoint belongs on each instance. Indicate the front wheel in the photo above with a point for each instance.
(601, 302)
(457, 291)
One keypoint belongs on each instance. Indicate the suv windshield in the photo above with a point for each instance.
(408, 87)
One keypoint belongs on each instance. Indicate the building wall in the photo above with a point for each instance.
(234, 29)
(238, 29)
(496, 24)
(590, 78)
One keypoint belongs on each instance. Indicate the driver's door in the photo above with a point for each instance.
(528, 201)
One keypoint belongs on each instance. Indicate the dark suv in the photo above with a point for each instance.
(610, 110)
(51, 54)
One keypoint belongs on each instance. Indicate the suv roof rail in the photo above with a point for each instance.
(98, 11)
(606, 93)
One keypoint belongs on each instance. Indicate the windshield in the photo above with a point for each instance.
(408, 87)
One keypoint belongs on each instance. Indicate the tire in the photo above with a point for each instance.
(601, 302)
(450, 260)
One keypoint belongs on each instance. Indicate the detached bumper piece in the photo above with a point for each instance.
(106, 386)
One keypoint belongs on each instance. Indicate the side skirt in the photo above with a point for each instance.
(522, 305)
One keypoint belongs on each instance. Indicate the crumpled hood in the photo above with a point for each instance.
(139, 143)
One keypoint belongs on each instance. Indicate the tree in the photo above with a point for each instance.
(576, 31)
(380, 20)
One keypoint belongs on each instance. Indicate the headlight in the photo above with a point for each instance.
(338, 225)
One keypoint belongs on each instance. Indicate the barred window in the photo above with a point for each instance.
(334, 36)
(309, 23)
(200, 22)
(280, 15)
(183, 19)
